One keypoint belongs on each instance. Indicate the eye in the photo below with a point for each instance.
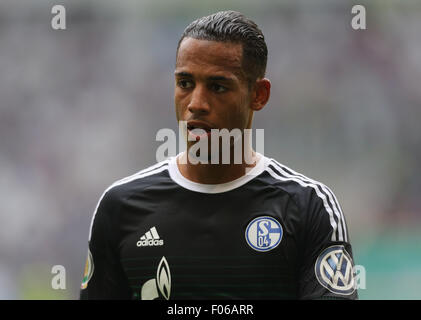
(218, 88)
(184, 84)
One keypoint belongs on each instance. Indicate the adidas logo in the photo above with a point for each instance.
(150, 238)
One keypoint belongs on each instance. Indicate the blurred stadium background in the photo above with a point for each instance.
(80, 108)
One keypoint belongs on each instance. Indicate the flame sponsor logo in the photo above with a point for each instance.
(163, 278)
(152, 288)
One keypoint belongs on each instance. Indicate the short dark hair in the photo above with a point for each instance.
(232, 26)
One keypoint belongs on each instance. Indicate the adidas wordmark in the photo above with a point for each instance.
(150, 238)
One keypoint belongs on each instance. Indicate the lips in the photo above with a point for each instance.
(194, 125)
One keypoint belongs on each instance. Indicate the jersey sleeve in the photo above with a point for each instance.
(104, 277)
(327, 268)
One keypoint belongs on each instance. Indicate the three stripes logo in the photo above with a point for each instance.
(150, 238)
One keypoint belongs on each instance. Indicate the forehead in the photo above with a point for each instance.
(196, 56)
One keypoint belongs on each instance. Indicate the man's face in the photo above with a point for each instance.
(211, 90)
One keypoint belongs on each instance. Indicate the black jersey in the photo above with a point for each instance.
(271, 234)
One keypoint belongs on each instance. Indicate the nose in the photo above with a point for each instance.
(199, 101)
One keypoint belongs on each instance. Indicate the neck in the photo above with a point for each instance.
(214, 173)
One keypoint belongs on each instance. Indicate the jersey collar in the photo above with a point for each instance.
(178, 178)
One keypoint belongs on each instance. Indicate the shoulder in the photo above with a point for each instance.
(314, 199)
(302, 187)
(121, 189)
(136, 182)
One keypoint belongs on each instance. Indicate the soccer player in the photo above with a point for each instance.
(184, 230)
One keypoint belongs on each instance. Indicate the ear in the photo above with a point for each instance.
(261, 94)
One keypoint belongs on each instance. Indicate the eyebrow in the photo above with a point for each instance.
(212, 78)
(183, 74)
(220, 78)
